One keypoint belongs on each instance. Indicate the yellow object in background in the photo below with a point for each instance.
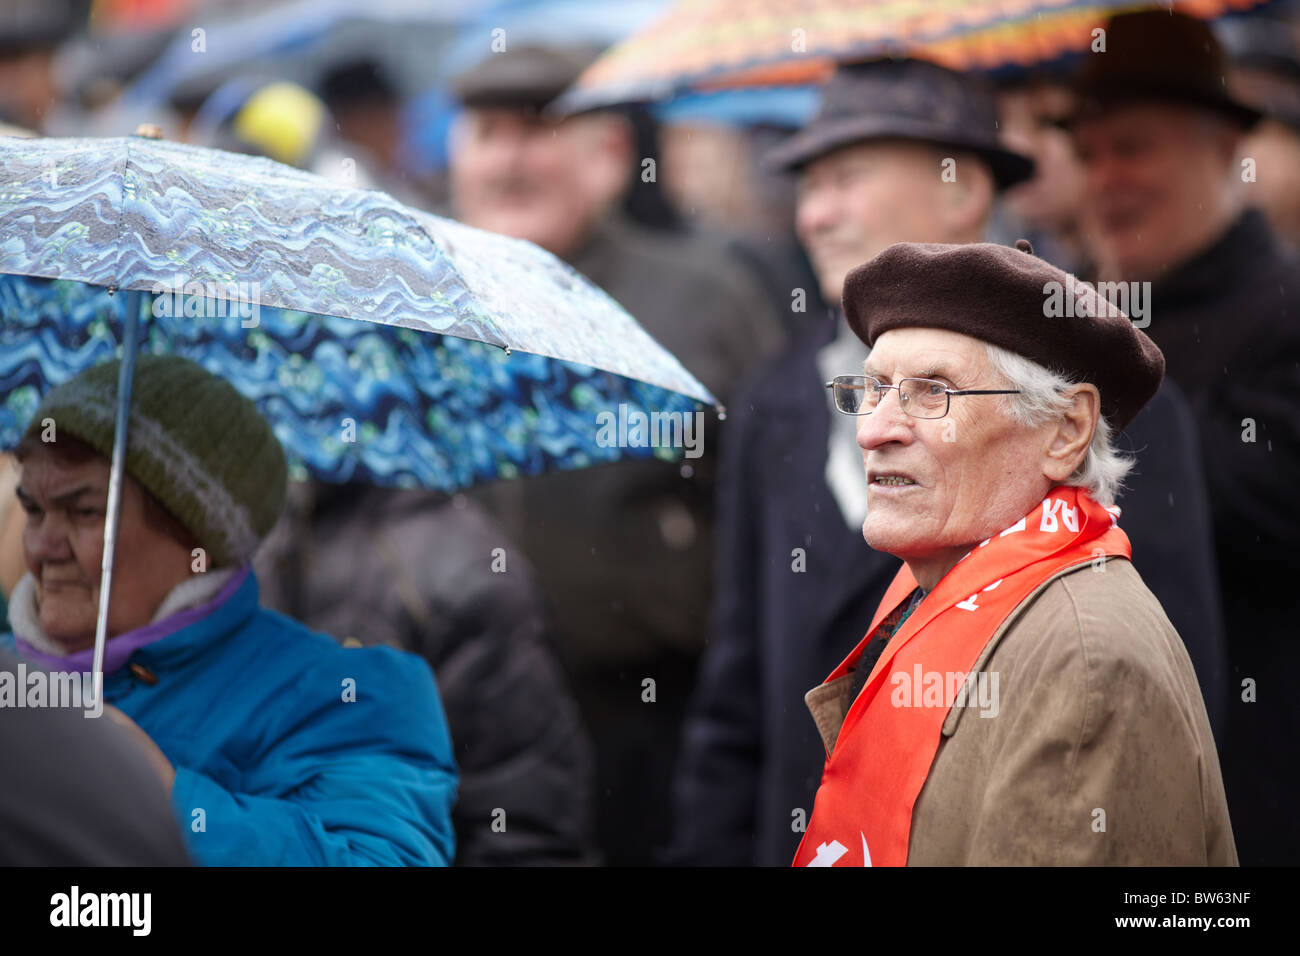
(283, 120)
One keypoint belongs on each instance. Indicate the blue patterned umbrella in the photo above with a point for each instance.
(479, 356)
(476, 356)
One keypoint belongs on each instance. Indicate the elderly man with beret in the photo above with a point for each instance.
(795, 585)
(277, 746)
(1020, 697)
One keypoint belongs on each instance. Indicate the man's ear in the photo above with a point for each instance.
(1068, 443)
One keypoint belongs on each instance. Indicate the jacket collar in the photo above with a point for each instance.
(604, 245)
(830, 701)
(1246, 245)
(167, 641)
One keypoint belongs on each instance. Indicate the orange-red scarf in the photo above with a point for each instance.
(870, 782)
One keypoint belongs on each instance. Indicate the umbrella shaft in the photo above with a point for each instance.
(130, 335)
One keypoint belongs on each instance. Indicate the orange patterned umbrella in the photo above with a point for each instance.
(718, 44)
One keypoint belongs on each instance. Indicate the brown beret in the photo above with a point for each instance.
(1002, 296)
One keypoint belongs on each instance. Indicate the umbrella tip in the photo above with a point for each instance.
(148, 131)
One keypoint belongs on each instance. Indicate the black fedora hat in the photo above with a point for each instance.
(1157, 56)
(904, 99)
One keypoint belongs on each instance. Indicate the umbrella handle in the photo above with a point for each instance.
(126, 375)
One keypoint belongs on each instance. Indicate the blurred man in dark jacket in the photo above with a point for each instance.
(623, 551)
(1160, 137)
(77, 792)
(421, 571)
(796, 583)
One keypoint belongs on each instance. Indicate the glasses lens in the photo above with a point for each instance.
(924, 398)
(853, 394)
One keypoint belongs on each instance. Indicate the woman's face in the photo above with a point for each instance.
(63, 547)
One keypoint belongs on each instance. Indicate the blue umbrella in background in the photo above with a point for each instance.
(384, 344)
(789, 107)
(299, 41)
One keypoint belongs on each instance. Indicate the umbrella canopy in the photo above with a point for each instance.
(477, 355)
(713, 44)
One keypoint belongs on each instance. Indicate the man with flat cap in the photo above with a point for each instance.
(624, 550)
(1021, 697)
(1165, 203)
(899, 151)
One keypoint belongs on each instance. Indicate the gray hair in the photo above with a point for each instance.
(1042, 398)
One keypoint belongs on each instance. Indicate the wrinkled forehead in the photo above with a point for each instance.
(46, 474)
(886, 153)
(926, 353)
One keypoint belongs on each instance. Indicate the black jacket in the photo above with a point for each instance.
(751, 755)
(623, 550)
(78, 791)
(1228, 321)
(415, 570)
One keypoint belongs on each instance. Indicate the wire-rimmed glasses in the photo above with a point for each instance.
(919, 397)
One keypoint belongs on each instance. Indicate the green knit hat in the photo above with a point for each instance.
(200, 447)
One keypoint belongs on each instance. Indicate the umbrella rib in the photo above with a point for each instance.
(451, 265)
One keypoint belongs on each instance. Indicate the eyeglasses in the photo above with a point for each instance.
(919, 397)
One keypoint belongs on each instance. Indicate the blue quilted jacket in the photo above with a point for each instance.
(289, 749)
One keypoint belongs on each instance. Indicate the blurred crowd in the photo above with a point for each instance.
(737, 581)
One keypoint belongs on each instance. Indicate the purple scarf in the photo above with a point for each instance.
(117, 650)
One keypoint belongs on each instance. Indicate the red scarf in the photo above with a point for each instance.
(870, 782)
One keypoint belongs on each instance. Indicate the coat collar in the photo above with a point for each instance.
(829, 702)
(167, 641)
(1247, 245)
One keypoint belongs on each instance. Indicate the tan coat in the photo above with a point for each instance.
(1100, 751)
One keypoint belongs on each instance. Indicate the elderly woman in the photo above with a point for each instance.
(279, 747)
(1020, 697)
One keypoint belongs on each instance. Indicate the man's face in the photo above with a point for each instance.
(1157, 179)
(1051, 199)
(63, 547)
(856, 201)
(27, 88)
(519, 175)
(973, 472)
